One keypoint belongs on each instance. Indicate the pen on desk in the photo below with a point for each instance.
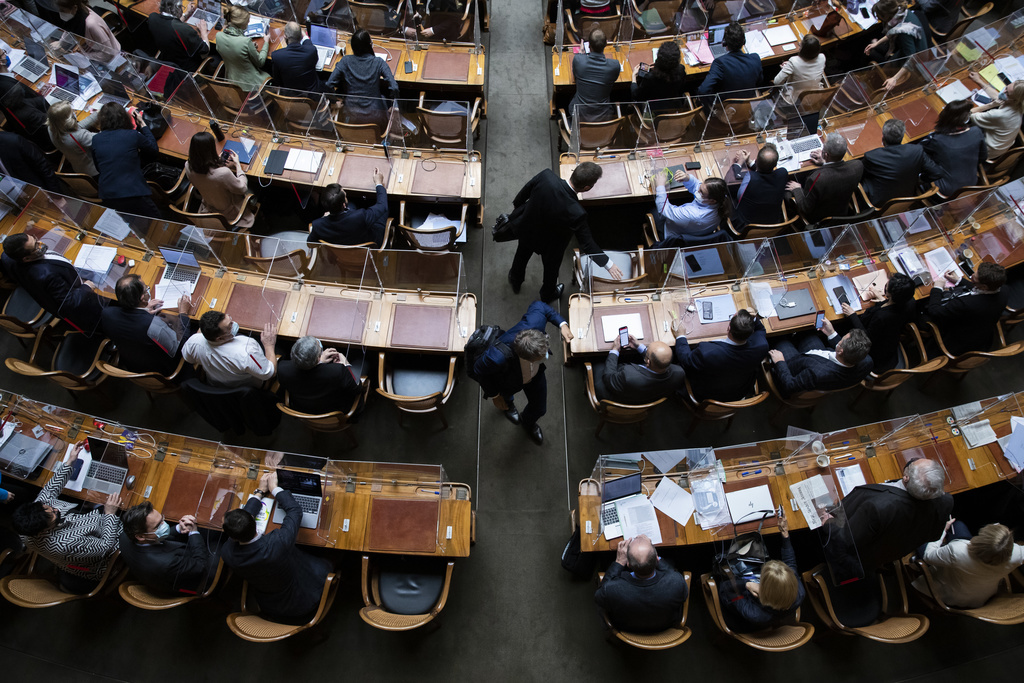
(851, 457)
(607, 156)
(745, 474)
(628, 298)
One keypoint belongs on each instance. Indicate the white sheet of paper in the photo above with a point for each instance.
(830, 283)
(95, 258)
(978, 433)
(780, 35)
(966, 410)
(76, 483)
(722, 308)
(673, 500)
(954, 91)
(859, 18)
(1011, 67)
(850, 477)
(664, 461)
(638, 516)
(756, 43)
(908, 261)
(610, 325)
(169, 292)
(112, 225)
(761, 293)
(749, 505)
(805, 492)
(940, 261)
(1013, 445)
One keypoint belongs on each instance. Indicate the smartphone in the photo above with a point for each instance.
(707, 310)
(624, 336)
(408, 66)
(864, 13)
(226, 155)
(840, 295)
(692, 165)
(819, 320)
(693, 263)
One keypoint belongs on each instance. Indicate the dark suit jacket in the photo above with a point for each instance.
(178, 42)
(285, 581)
(325, 387)
(632, 383)
(809, 372)
(182, 562)
(506, 378)
(967, 321)
(56, 286)
(760, 201)
(551, 217)
(642, 605)
(744, 613)
(25, 112)
(129, 329)
(731, 72)
(294, 66)
(720, 370)
(958, 156)
(894, 171)
(887, 522)
(595, 75)
(827, 191)
(354, 225)
(25, 161)
(883, 325)
(118, 157)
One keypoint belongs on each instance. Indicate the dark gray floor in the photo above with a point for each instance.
(513, 613)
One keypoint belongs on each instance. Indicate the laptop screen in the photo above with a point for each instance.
(300, 482)
(112, 87)
(620, 488)
(179, 257)
(66, 79)
(110, 453)
(321, 35)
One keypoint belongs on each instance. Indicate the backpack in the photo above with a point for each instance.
(575, 561)
(482, 339)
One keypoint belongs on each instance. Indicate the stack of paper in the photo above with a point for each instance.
(954, 91)
(978, 433)
(812, 497)
(780, 35)
(637, 517)
(112, 225)
(761, 293)
(850, 477)
(940, 262)
(700, 51)
(756, 43)
(908, 261)
(673, 500)
(1011, 67)
(1013, 444)
(709, 502)
(303, 160)
(842, 283)
(966, 411)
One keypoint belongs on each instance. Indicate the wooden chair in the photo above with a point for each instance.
(816, 100)
(23, 318)
(895, 624)
(940, 198)
(448, 26)
(334, 421)
(1002, 166)
(763, 230)
(964, 363)
(594, 135)
(359, 133)
(294, 114)
(664, 128)
(890, 379)
(260, 254)
(609, 25)
(138, 594)
(74, 365)
(228, 95)
(447, 129)
(611, 411)
(29, 590)
(190, 214)
(960, 27)
(349, 259)
(429, 239)
(376, 614)
(631, 263)
(805, 400)
(710, 409)
(781, 639)
(656, 19)
(431, 389)
(370, 16)
(734, 116)
(166, 197)
(895, 205)
(1005, 608)
(251, 626)
(82, 185)
(663, 640)
(150, 382)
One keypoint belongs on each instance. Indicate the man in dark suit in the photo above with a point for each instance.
(294, 65)
(317, 380)
(52, 281)
(22, 159)
(595, 75)
(634, 383)
(967, 313)
(724, 370)
(762, 188)
(641, 592)
(513, 364)
(286, 582)
(893, 170)
(547, 214)
(166, 558)
(146, 342)
(889, 520)
(178, 43)
(735, 72)
(811, 366)
(342, 225)
(827, 191)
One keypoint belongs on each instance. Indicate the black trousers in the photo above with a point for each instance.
(552, 262)
(536, 392)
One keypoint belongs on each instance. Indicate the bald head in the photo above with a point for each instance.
(659, 356)
(641, 557)
(292, 33)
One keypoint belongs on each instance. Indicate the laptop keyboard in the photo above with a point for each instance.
(717, 50)
(62, 94)
(105, 472)
(181, 275)
(308, 504)
(111, 98)
(609, 515)
(31, 69)
(806, 144)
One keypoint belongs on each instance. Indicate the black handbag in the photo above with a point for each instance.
(152, 114)
(506, 227)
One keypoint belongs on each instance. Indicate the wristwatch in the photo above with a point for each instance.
(259, 492)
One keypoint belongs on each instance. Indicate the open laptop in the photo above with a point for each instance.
(206, 10)
(326, 42)
(22, 455)
(307, 491)
(716, 34)
(108, 468)
(613, 492)
(67, 87)
(31, 69)
(800, 148)
(182, 268)
(113, 91)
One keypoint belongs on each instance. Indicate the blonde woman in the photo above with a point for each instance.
(1000, 119)
(242, 61)
(73, 138)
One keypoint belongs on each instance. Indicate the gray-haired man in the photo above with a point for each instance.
(317, 380)
(827, 191)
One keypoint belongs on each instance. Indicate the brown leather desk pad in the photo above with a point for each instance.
(396, 57)
(337, 319)
(918, 116)
(645, 324)
(443, 179)
(398, 524)
(638, 57)
(421, 327)
(182, 129)
(446, 66)
(357, 171)
(193, 492)
(614, 182)
(253, 307)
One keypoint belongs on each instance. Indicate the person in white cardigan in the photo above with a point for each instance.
(966, 571)
(803, 71)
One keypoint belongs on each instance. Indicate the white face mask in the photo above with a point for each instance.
(64, 16)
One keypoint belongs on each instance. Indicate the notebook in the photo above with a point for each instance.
(275, 162)
(239, 149)
(802, 303)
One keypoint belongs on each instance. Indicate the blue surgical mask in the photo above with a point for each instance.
(234, 329)
(7, 60)
(1002, 95)
(162, 531)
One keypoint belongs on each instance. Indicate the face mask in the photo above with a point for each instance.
(1002, 95)
(234, 329)
(65, 16)
(162, 531)
(7, 62)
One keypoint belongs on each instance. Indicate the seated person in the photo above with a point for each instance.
(286, 582)
(762, 188)
(23, 108)
(966, 572)
(999, 119)
(665, 80)
(967, 313)
(755, 602)
(827, 191)
(243, 61)
(78, 544)
(736, 72)
(100, 45)
(342, 225)
(803, 71)
(724, 370)
(222, 185)
(25, 161)
(179, 43)
(228, 359)
(317, 380)
(894, 169)
(366, 81)
(956, 147)
(294, 65)
(142, 337)
(73, 138)
(166, 558)
(641, 592)
(697, 218)
(633, 383)
(595, 75)
(905, 34)
(813, 366)
(890, 520)
(884, 322)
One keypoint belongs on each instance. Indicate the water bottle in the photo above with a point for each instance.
(217, 132)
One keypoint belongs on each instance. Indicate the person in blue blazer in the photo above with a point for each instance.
(117, 150)
(724, 370)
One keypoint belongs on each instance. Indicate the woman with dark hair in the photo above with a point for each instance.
(698, 218)
(883, 322)
(802, 71)
(221, 187)
(117, 150)
(664, 80)
(956, 147)
(365, 80)
(101, 45)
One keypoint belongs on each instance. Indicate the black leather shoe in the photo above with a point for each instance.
(559, 290)
(513, 415)
(536, 435)
(515, 287)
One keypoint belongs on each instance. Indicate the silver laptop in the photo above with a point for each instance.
(800, 148)
(21, 455)
(109, 466)
(325, 40)
(182, 268)
(307, 491)
(613, 492)
(31, 69)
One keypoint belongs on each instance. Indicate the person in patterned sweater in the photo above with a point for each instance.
(78, 544)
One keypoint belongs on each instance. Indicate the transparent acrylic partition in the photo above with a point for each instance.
(837, 267)
(446, 23)
(719, 124)
(599, 127)
(443, 124)
(656, 18)
(764, 280)
(619, 474)
(336, 15)
(990, 424)
(289, 113)
(187, 111)
(322, 127)
(24, 117)
(860, 89)
(993, 232)
(806, 109)
(675, 294)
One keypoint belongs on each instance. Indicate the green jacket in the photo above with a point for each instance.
(242, 61)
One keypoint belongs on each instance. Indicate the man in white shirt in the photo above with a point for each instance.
(811, 365)
(228, 359)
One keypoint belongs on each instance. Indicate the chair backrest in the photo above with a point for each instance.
(334, 421)
(359, 133)
(139, 595)
(961, 26)
(151, 382)
(370, 16)
(710, 409)
(739, 112)
(583, 26)
(968, 189)
(226, 93)
(292, 112)
(816, 100)
(446, 128)
(1005, 164)
(672, 127)
(374, 613)
(612, 411)
(781, 639)
(430, 239)
(350, 259)
(599, 134)
(412, 404)
(664, 640)
(254, 628)
(294, 263)
(33, 592)
(753, 231)
(901, 204)
(82, 185)
(1005, 608)
(210, 221)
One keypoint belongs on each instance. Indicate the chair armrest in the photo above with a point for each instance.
(1002, 337)
(564, 120)
(450, 383)
(451, 565)
(591, 391)
(915, 334)
(250, 200)
(474, 112)
(388, 235)
(864, 196)
(938, 340)
(731, 229)
(423, 96)
(650, 231)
